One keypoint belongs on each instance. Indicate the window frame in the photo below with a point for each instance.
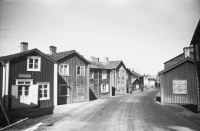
(80, 73)
(48, 90)
(64, 74)
(60, 90)
(91, 75)
(104, 74)
(34, 58)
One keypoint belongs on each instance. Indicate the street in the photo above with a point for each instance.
(131, 112)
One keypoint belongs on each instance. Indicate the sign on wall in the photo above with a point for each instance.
(24, 75)
(179, 86)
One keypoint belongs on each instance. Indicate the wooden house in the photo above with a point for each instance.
(73, 76)
(129, 86)
(178, 82)
(28, 79)
(195, 42)
(99, 80)
(136, 80)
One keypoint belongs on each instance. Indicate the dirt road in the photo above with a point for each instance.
(131, 112)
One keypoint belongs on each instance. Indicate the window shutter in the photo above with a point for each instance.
(107, 88)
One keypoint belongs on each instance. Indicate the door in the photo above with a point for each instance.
(23, 92)
(80, 93)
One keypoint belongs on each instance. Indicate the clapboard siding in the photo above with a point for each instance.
(185, 71)
(72, 80)
(19, 66)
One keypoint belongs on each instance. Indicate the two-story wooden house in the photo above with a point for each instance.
(28, 79)
(73, 76)
(99, 80)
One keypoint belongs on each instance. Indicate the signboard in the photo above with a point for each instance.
(179, 86)
(24, 75)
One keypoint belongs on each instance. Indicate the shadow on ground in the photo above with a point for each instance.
(19, 114)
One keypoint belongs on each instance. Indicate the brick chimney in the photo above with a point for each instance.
(187, 50)
(105, 59)
(52, 49)
(24, 46)
(96, 59)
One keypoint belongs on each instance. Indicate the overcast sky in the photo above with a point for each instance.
(142, 33)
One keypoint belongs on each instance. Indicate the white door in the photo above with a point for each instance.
(23, 92)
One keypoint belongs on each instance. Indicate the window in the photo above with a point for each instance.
(197, 52)
(24, 81)
(104, 74)
(104, 88)
(43, 91)
(64, 90)
(80, 70)
(33, 63)
(91, 74)
(64, 69)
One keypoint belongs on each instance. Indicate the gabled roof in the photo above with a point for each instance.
(179, 56)
(97, 65)
(60, 55)
(8, 57)
(177, 64)
(196, 35)
(136, 74)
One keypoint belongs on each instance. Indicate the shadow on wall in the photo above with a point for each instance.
(113, 91)
(92, 95)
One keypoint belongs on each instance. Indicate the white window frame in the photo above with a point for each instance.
(48, 90)
(104, 74)
(39, 63)
(106, 90)
(80, 73)
(67, 90)
(67, 70)
(24, 80)
(92, 71)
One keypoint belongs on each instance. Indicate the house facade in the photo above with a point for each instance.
(136, 80)
(195, 42)
(28, 79)
(73, 76)
(129, 86)
(178, 82)
(99, 80)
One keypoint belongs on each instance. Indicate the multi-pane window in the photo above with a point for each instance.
(104, 88)
(33, 63)
(91, 74)
(64, 69)
(64, 90)
(104, 74)
(43, 91)
(80, 70)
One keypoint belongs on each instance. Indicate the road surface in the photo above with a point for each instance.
(131, 112)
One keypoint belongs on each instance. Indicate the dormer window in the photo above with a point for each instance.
(33, 63)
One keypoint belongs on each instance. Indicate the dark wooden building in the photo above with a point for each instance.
(28, 79)
(73, 76)
(99, 80)
(136, 80)
(129, 86)
(196, 45)
(178, 82)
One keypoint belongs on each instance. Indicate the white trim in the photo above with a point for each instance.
(67, 74)
(3, 83)
(7, 72)
(48, 90)
(24, 80)
(55, 92)
(104, 74)
(67, 90)
(39, 63)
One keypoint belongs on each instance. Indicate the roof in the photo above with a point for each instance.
(196, 35)
(106, 65)
(61, 55)
(8, 57)
(129, 71)
(178, 56)
(136, 74)
(177, 64)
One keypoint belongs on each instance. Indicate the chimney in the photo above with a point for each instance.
(96, 59)
(187, 50)
(52, 49)
(105, 59)
(92, 58)
(24, 46)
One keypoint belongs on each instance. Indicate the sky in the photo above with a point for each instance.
(142, 33)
